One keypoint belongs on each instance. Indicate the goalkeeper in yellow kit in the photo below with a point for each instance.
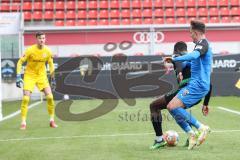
(35, 73)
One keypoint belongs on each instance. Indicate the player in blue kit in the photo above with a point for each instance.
(197, 88)
(183, 74)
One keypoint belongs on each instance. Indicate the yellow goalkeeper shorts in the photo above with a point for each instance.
(31, 80)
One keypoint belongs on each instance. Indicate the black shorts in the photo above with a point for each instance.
(169, 96)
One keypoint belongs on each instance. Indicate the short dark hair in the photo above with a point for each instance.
(39, 34)
(180, 47)
(198, 25)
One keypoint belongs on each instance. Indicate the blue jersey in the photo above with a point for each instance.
(201, 64)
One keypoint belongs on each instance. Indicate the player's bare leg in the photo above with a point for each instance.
(24, 108)
(50, 105)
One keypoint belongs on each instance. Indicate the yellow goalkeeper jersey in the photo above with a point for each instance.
(36, 61)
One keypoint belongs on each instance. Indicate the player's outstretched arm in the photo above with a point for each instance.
(187, 57)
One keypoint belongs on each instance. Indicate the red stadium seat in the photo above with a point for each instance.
(136, 4)
(126, 21)
(103, 22)
(169, 3)
(92, 4)
(27, 16)
(180, 12)
(103, 13)
(92, 22)
(59, 15)
(236, 19)
(37, 15)
(214, 20)
(226, 19)
(92, 14)
(202, 12)
(223, 3)
(181, 20)
(224, 11)
(5, 7)
(82, 5)
(125, 13)
(212, 3)
(48, 15)
(103, 4)
(191, 3)
(71, 14)
(70, 23)
(234, 2)
(16, 6)
(27, 6)
(158, 3)
(213, 12)
(82, 14)
(37, 6)
(158, 13)
(125, 4)
(180, 3)
(235, 11)
(59, 23)
(170, 21)
(169, 12)
(202, 3)
(114, 22)
(147, 3)
(204, 19)
(71, 5)
(147, 13)
(136, 13)
(147, 21)
(81, 22)
(189, 19)
(59, 5)
(136, 21)
(191, 12)
(114, 4)
(158, 21)
(114, 13)
(49, 5)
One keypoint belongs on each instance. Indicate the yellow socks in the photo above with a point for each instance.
(24, 108)
(50, 106)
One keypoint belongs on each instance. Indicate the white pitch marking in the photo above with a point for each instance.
(98, 136)
(229, 110)
(18, 112)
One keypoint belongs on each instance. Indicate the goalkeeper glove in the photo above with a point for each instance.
(19, 81)
(53, 83)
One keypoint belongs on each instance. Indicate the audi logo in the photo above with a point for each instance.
(144, 37)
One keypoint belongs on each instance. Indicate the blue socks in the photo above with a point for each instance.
(184, 118)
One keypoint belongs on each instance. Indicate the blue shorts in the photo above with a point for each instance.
(191, 94)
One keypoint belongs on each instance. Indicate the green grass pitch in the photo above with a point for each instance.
(123, 134)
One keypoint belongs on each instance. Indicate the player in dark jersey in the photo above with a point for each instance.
(182, 70)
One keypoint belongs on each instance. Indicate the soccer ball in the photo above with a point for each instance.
(171, 137)
(66, 97)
